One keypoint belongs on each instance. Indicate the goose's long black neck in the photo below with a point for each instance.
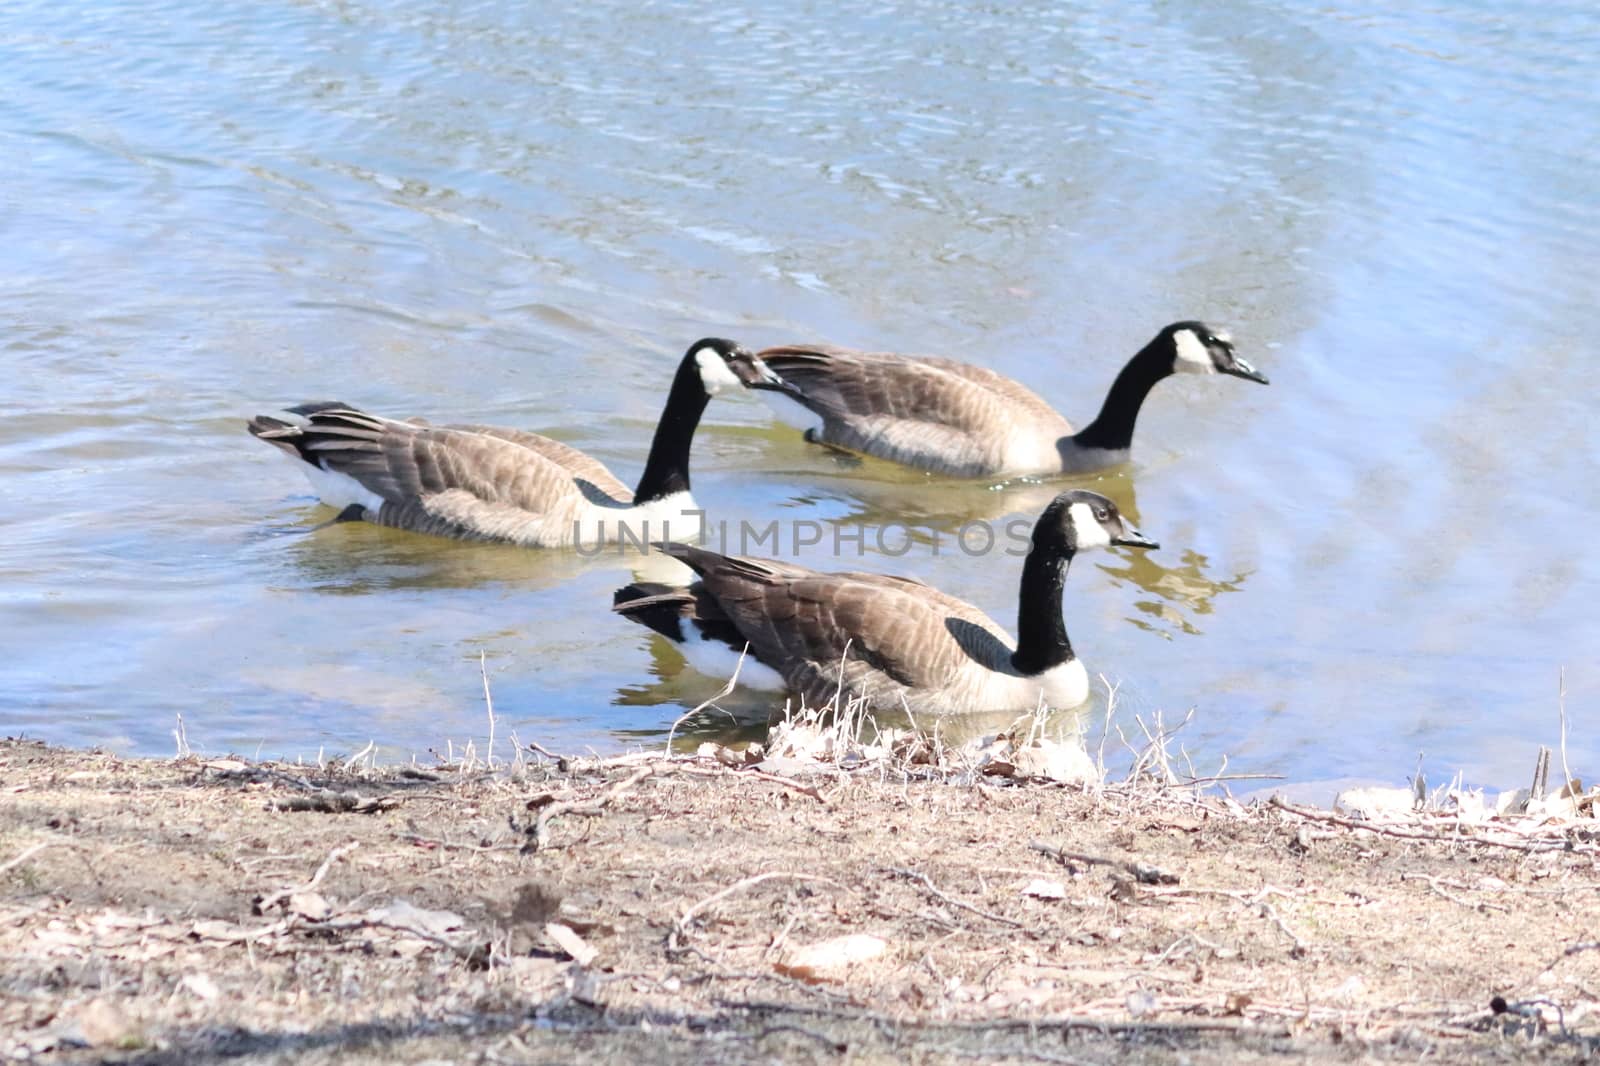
(1113, 426)
(666, 471)
(1041, 631)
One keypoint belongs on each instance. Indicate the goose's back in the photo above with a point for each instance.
(894, 641)
(927, 412)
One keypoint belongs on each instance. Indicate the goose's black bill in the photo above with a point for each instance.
(1132, 538)
(1241, 369)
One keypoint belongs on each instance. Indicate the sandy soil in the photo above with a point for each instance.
(156, 911)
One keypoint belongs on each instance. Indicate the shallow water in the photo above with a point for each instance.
(510, 213)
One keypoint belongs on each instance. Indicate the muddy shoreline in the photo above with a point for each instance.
(684, 910)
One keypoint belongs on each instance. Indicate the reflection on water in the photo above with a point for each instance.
(1181, 588)
(474, 209)
(360, 559)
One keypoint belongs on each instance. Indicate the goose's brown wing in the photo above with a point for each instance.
(437, 479)
(926, 412)
(892, 635)
(581, 465)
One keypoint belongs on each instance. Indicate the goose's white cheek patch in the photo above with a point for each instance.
(1087, 528)
(714, 372)
(1192, 355)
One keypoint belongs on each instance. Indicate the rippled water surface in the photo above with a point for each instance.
(517, 213)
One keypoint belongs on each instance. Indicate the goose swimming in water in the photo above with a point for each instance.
(900, 643)
(948, 417)
(478, 482)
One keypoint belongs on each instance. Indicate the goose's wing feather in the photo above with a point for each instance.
(437, 479)
(923, 411)
(890, 634)
(580, 464)
(844, 382)
(1022, 401)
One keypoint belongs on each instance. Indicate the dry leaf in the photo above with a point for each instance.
(201, 985)
(1039, 888)
(1377, 802)
(581, 950)
(827, 960)
(1067, 763)
(1141, 1003)
(312, 906)
(105, 1025)
(1350, 989)
(409, 916)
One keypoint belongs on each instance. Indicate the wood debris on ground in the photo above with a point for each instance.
(813, 898)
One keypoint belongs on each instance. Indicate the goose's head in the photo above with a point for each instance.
(1199, 349)
(1079, 520)
(722, 364)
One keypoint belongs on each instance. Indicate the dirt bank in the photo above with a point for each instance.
(156, 911)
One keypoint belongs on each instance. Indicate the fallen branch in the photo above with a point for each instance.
(327, 801)
(1425, 837)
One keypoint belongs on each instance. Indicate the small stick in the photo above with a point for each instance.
(1145, 875)
(838, 1047)
(725, 691)
(681, 926)
(316, 879)
(354, 760)
(464, 951)
(488, 702)
(535, 746)
(750, 771)
(1433, 883)
(809, 790)
(1214, 778)
(934, 890)
(29, 853)
(450, 845)
(541, 834)
(1561, 704)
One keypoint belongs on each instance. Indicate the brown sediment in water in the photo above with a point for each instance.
(684, 910)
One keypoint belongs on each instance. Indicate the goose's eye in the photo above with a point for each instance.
(1103, 515)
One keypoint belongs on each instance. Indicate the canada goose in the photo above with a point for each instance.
(948, 417)
(488, 483)
(896, 639)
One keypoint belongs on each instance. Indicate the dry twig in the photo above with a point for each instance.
(592, 809)
(913, 875)
(1140, 872)
(1424, 836)
(680, 928)
(267, 902)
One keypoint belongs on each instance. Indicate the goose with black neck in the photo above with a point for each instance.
(893, 642)
(490, 483)
(956, 419)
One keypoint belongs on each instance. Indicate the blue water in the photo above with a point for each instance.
(514, 213)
